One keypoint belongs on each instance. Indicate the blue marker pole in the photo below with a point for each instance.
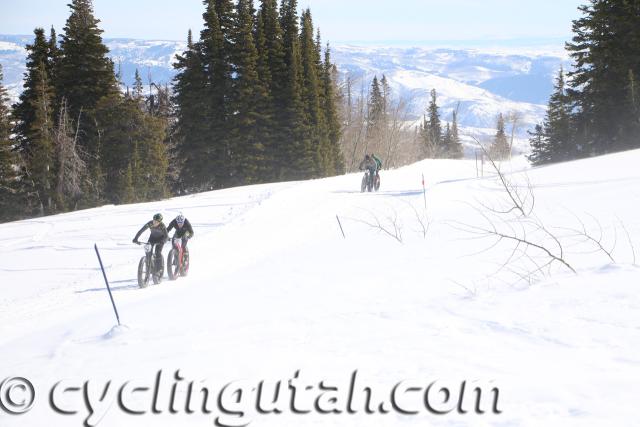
(107, 283)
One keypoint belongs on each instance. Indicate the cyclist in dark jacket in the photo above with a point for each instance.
(378, 163)
(368, 163)
(158, 236)
(183, 229)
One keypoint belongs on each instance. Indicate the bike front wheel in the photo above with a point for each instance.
(143, 272)
(173, 264)
(185, 263)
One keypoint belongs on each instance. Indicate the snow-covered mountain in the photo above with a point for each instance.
(481, 82)
(411, 292)
(484, 82)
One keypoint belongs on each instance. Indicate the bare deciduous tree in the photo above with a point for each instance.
(392, 137)
(71, 168)
(513, 118)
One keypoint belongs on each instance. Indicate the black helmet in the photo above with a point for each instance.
(366, 156)
(157, 217)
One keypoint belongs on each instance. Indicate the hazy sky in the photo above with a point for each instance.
(339, 20)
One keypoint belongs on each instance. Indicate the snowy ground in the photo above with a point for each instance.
(275, 288)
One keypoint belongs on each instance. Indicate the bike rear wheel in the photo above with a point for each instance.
(158, 272)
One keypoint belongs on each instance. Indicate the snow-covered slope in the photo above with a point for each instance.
(275, 288)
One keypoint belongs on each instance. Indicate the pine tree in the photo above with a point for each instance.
(129, 133)
(84, 73)
(605, 48)
(191, 127)
(272, 74)
(446, 141)
(432, 129)
(455, 149)
(295, 151)
(216, 50)
(336, 158)
(499, 150)
(24, 111)
(310, 93)
(34, 127)
(540, 152)
(375, 111)
(557, 123)
(9, 178)
(156, 160)
(40, 135)
(250, 101)
(53, 54)
(137, 87)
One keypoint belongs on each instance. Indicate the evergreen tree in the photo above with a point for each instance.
(633, 96)
(310, 92)
(84, 73)
(24, 111)
(375, 110)
(499, 150)
(455, 150)
(605, 49)
(34, 127)
(40, 136)
(272, 73)
(446, 141)
(249, 102)
(557, 123)
(216, 50)
(295, 151)
(336, 158)
(10, 200)
(129, 133)
(53, 54)
(432, 129)
(137, 87)
(191, 127)
(540, 152)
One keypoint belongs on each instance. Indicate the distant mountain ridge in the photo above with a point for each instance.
(480, 82)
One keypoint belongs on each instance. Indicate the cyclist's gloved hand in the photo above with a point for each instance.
(135, 241)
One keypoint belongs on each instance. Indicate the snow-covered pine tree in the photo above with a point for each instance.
(10, 196)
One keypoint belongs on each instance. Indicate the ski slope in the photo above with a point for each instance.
(408, 294)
